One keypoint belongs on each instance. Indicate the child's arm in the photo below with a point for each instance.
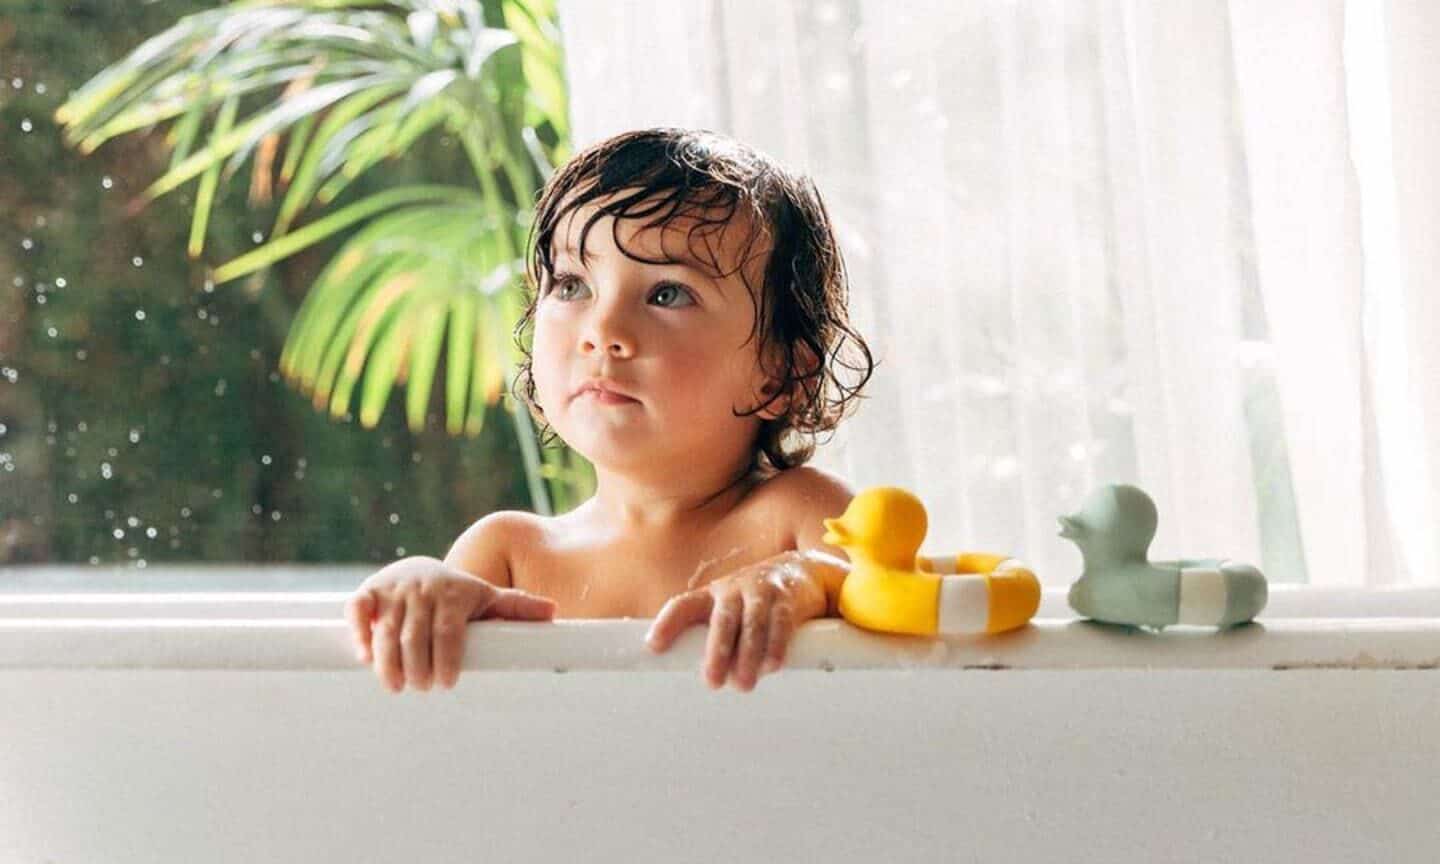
(483, 549)
(409, 619)
(815, 496)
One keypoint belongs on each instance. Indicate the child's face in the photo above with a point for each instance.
(668, 335)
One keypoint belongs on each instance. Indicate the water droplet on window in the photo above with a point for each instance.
(94, 559)
(17, 83)
(394, 518)
(52, 332)
(81, 354)
(209, 286)
(257, 237)
(119, 533)
(134, 436)
(112, 452)
(256, 509)
(400, 550)
(105, 470)
(185, 512)
(27, 244)
(25, 125)
(132, 521)
(82, 426)
(220, 387)
(40, 88)
(106, 182)
(216, 493)
(139, 314)
(72, 498)
(3, 429)
(265, 460)
(11, 375)
(141, 564)
(138, 261)
(40, 300)
(201, 314)
(275, 515)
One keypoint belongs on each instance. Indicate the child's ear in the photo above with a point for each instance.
(775, 410)
(775, 382)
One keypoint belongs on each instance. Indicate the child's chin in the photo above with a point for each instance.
(613, 452)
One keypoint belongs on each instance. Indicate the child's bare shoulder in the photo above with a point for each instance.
(802, 497)
(487, 548)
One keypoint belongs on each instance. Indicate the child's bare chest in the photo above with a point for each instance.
(632, 576)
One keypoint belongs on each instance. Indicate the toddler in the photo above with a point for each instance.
(688, 315)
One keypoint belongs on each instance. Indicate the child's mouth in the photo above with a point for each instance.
(604, 397)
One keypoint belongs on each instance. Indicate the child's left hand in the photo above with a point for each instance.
(752, 612)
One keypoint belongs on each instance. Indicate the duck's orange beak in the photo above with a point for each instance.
(835, 533)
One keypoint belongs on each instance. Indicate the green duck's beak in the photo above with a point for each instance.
(1069, 526)
(835, 533)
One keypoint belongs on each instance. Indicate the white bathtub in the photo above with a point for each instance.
(227, 727)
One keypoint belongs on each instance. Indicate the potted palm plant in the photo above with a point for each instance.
(314, 93)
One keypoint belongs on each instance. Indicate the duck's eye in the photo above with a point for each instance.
(672, 294)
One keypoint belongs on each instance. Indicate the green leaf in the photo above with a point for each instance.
(424, 357)
(306, 179)
(205, 198)
(464, 309)
(254, 129)
(383, 362)
(337, 349)
(391, 299)
(295, 146)
(313, 233)
(397, 237)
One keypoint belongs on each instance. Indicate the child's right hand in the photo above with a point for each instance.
(409, 618)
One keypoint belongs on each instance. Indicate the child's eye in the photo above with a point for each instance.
(675, 290)
(559, 284)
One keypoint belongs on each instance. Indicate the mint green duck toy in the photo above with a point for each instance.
(1121, 586)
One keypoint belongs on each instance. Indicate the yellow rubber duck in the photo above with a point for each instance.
(891, 589)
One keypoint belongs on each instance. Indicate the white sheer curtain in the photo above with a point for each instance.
(1187, 245)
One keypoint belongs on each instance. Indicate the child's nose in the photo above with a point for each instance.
(614, 347)
(608, 335)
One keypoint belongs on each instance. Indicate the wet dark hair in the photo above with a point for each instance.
(704, 180)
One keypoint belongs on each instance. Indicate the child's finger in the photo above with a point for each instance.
(415, 638)
(720, 644)
(359, 609)
(386, 643)
(449, 648)
(515, 604)
(754, 633)
(782, 628)
(678, 613)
